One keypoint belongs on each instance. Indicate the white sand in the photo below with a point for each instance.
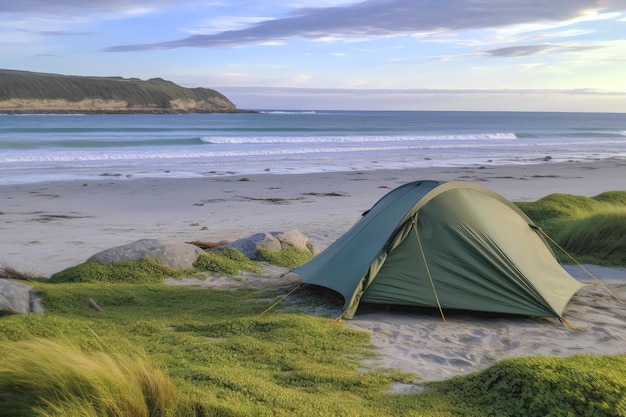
(47, 227)
(423, 344)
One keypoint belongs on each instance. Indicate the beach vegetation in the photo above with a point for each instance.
(287, 258)
(582, 386)
(137, 271)
(187, 351)
(46, 378)
(598, 239)
(227, 261)
(10, 272)
(159, 350)
(588, 229)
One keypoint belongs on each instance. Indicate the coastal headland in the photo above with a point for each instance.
(23, 92)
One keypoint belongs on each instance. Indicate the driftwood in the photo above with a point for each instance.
(93, 304)
(207, 245)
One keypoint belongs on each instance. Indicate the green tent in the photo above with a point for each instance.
(453, 245)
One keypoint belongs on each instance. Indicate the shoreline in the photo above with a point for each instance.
(54, 225)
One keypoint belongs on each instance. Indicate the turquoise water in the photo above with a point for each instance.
(48, 147)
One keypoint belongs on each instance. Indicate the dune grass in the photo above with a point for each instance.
(45, 378)
(599, 238)
(589, 228)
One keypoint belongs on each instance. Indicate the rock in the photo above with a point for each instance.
(313, 249)
(175, 254)
(292, 239)
(250, 246)
(547, 158)
(274, 242)
(18, 298)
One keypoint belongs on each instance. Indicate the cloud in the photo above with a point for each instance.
(379, 18)
(386, 92)
(425, 99)
(80, 7)
(61, 33)
(530, 50)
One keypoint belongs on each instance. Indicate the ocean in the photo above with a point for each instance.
(37, 148)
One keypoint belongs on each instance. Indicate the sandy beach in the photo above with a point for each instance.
(46, 227)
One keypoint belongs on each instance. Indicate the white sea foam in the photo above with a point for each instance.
(354, 138)
(294, 142)
(288, 112)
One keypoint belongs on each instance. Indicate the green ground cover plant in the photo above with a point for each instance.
(581, 386)
(288, 258)
(228, 261)
(141, 270)
(219, 356)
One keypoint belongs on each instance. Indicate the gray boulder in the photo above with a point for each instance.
(273, 242)
(250, 246)
(18, 298)
(296, 239)
(175, 254)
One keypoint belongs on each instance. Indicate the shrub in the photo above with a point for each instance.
(288, 258)
(227, 261)
(138, 271)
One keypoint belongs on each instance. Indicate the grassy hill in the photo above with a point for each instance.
(31, 92)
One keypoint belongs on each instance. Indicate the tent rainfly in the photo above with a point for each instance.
(452, 245)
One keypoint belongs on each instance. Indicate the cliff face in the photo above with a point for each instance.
(29, 92)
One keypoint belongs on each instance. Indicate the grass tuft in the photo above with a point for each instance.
(44, 378)
(9, 272)
(227, 261)
(287, 258)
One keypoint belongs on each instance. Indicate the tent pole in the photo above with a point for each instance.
(432, 283)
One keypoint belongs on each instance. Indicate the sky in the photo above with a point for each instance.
(526, 55)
